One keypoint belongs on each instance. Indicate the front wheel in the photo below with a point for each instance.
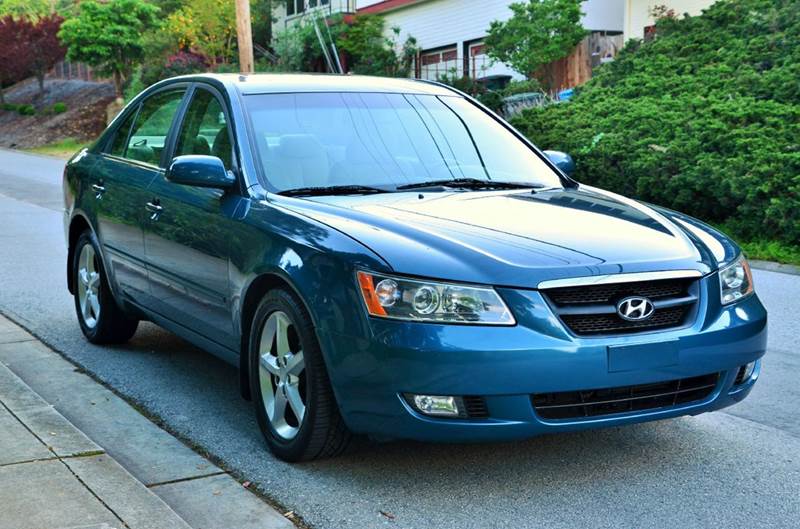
(294, 402)
(101, 320)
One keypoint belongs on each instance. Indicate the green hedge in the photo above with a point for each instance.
(704, 119)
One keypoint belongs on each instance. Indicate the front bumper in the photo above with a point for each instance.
(506, 365)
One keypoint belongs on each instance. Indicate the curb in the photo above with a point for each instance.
(195, 489)
(776, 267)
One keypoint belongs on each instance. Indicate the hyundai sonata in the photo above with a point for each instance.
(388, 257)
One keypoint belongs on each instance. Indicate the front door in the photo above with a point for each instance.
(122, 175)
(187, 241)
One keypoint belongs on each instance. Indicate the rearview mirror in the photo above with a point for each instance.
(562, 160)
(200, 171)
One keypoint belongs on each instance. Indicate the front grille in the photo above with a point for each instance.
(475, 407)
(662, 288)
(625, 399)
(592, 309)
(611, 323)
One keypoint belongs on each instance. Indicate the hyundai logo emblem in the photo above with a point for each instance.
(635, 308)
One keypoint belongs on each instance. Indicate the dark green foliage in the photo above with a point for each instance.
(59, 108)
(26, 110)
(704, 119)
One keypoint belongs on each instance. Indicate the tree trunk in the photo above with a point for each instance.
(40, 79)
(118, 82)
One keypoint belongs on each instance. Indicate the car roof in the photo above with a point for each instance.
(288, 83)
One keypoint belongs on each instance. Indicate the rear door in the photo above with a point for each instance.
(187, 244)
(132, 159)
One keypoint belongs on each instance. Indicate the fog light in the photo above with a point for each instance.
(748, 371)
(436, 405)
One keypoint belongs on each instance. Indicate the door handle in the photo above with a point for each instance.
(154, 208)
(98, 191)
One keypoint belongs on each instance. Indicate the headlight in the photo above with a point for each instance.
(735, 281)
(432, 301)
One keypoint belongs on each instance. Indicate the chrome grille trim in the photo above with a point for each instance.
(618, 278)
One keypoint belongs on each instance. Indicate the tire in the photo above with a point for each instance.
(100, 318)
(275, 376)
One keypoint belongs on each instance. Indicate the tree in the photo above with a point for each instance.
(33, 9)
(42, 45)
(108, 36)
(538, 33)
(14, 62)
(370, 52)
(361, 39)
(205, 27)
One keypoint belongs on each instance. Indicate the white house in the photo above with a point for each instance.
(638, 13)
(450, 33)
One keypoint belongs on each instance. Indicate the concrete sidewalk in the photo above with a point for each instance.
(118, 470)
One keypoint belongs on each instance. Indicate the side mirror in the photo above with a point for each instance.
(562, 160)
(200, 171)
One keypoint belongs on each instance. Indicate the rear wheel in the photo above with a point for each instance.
(101, 320)
(294, 403)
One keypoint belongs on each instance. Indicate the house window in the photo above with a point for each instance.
(433, 64)
(296, 6)
(477, 60)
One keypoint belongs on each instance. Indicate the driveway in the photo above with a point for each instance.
(740, 466)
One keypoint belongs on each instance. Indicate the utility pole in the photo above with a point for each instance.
(244, 33)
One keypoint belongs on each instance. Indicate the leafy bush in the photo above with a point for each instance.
(59, 108)
(522, 87)
(360, 39)
(9, 107)
(704, 119)
(491, 98)
(26, 110)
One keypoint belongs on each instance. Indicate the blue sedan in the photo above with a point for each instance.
(388, 257)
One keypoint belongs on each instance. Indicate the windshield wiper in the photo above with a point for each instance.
(469, 183)
(333, 190)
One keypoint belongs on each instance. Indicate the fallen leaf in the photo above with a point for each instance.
(216, 493)
(388, 515)
(246, 484)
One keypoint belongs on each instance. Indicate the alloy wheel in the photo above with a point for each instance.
(282, 371)
(88, 286)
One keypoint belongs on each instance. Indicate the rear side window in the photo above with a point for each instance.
(121, 136)
(149, 134)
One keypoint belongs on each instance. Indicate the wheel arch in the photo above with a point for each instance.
(258, 287)
(77, 225)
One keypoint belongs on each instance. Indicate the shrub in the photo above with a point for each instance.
(704, 119)
(26, 110)
(522, 87)
(10, 107)
(184, 63)
(491, 98)
(59, 108)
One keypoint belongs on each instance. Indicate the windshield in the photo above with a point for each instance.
(310, 140)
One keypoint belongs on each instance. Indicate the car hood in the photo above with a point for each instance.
(513, 238)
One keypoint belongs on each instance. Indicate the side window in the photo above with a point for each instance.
(149, 134)
(204, 130)
(121, 136)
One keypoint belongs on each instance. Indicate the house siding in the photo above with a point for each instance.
(444, 23)
(637, 13)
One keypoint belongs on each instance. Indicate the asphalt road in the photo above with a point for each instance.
(738, 467)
